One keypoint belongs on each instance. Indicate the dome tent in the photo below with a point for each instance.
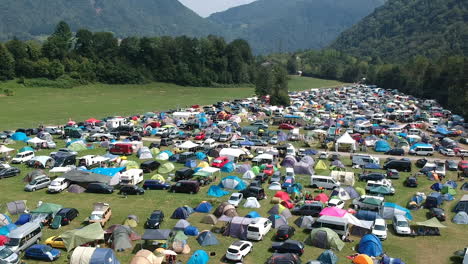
(328, 257)
(207, 238)
(382, 146)
(166, 168)
(232, 182)
(216, 191)
(199, 257)
(91, 255)
(325, 238)
(203, 207)
(370, 245)
(251, 202)
(180, 213)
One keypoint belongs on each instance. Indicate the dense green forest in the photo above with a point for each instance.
(29, 19)
(279, 25)
(401, 29)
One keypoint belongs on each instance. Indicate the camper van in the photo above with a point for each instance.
(116, 122)
(91, 161)
(24, 236)
(424, 150)
(295, 136)
(327, 182)
(433, 121)
(258, 228)
(121, 149)
(363, 159)
(263, 159)
(337, 224)
(132, 177)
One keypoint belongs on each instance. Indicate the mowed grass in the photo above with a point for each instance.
(32, 106)
(412, 250)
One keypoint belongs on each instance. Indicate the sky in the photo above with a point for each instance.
(206, 7)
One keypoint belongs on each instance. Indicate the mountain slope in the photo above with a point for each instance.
(279, 25)
(32, 18)
(403, 28)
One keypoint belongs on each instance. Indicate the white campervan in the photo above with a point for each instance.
(132, 176)
(258, 228)
(327, 182)
(23, 157)
(422, 151)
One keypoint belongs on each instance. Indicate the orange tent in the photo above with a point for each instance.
(362, 259)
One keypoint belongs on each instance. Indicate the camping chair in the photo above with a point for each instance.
(57, 222)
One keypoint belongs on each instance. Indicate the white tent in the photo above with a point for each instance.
(162, 156)
(248, 175)
(251, 202)
(345, 139)
(188, 145)
(344, 177)
(4, 149)
(276, 186)
(36, 140)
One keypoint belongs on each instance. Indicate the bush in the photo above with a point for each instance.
(63, 82)
(8, 92)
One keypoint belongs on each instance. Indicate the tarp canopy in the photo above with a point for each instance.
(77, 237)
(80, 176)
(216, 191)
(345, 139)
(47, 208)
(433, 222)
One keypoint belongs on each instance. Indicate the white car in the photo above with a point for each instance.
(401, 225)
(336, 203)
(238, 250)
(447, 152)
(273, 140)
(258, 228)
(58, 185)
(379, 228)
(236, 199)
(323, 155)
(23, 157)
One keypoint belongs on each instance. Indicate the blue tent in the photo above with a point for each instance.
(174, 158)
(437, 186)
(203, 207)
(451, 184)
(370, 245)
(389, 260)
(328, 257)
(447, 197)
(367, 215)
(27, 148)
(199, 257)
(180, 213)
(382, 146)
(19, 136)
(252, 214)
(200, 155)
(216, 191)
(191, 163)
(107, 171)
(228, 167)
(233, 183)
(206, 238)
(23, 219)
(391, 209)
(103, 255)
(442, 130)
(191, 231)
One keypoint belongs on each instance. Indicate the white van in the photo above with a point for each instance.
(337, 224)
(422, 151)
(132, 177)
(414, 131)
(327, 182)
(363, 159)
(295, 134)
(258, 228)
(394, 130)
(58, 185)
(433, 121)
(290, 172)
(24, 236)
(23, 157)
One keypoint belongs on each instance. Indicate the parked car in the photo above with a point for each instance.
(276, 177)
(67, 215)
(101, 213)
(38, 183)
(23, 157)
(284, 232)
(99, 188)
(368, 202)
(379, 228)
(155, 185)
(374, 176)
(335, 202)
(395, 152)
(166, 142)
(399, 165)
(238, 250)
(58, 185)
(7, 256)
(261, 177)
(269, 169)
(131, 189)
(285, 258)
(462, 165)
(438, 213)
(286, 126)
(254, 191)
(411, 182)
(312, 209)
(219, 162)
(288, 246)
(42, 252)
(185, 186)
(183, 174)
(401, 225)
(236, 199)
(392, 174)
(154, 220)
(149, 166)
(451, 165)
(273, 140)
(258, 228)
(9, 172)
(55, 242)
(259, 142)
(447, 152)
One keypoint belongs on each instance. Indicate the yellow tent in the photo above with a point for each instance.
(203, 164)
(158, 177)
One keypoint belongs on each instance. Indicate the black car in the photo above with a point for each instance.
(312, 209)
(374, 176)
(276, 177)
(123, 130)
(67, 214)
(284, 232)
(438, 213)
(395, 152)
(166, 142)
(261, 177)
(183, 174)
(149, 166)
(185, 187)
(9, 172)
(186, 156)
(131, 189)
(254, 191)
(285, 258)
(399, 165)
(421, 162)
(451, 165)
(99, 188)
(155, 219)
(411, 182)
(289, 246)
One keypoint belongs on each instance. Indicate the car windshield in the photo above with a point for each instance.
(13, 242)
(234, 198)
(379, 228)
(402, 224)
(5, 253)
(33, 182)
(252, 229)
(217, 161)
(155, 217)
(54, 183)
(95, 217)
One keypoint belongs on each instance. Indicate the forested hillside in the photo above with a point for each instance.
(28, 19)
(401, 29)
(279, 25)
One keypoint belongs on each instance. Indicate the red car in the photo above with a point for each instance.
(288, 204)
(269, 170)
(463, 164)
(286, 126)
(219, 162)
(200, 136)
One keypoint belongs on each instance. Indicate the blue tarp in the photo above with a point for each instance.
(370, 245)
(107, 171)
(420, 145)
(199, 257)
(203, 207)
(216, 191)
(5, 230)
(252, 214)
(382, 146)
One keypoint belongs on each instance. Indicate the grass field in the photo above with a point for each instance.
(31, 106)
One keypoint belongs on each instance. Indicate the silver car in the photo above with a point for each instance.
(8, 256)
(38, 183)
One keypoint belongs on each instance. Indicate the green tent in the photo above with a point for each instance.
(372, 201)
(131, 164)
(166, 168)
(361, 191)
(325, 238)
(321, 166)
(202, 173)
(449, 190)
(433, 222)
(255, 170)
(178, 236)
(381, 190)
(77, 146)
(77, 237)
(158, 177)
(154, 151)
(47, 208)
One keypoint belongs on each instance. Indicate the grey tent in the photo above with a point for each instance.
(303, 168)
(206, 238)
(237, 227)
(305, 222)
(32, 175)
(278, 220)
(243, 168)
(220, 209)
(461, 218)
(274, 210)
(79, 176)
(16, 207)
(144, 153)
(121, 239)
(156, 234)
(74, 188)
(289, 161)
(309, 160)
(328, 257)
(181, 225)
(209, 219)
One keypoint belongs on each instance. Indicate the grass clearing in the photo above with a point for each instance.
(32, 106)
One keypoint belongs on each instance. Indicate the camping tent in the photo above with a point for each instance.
(47, 208)
(345, 139)
(370, 245)
(144, 153)
(180, 213)
(228, 167)
(252, 214)
(122, 237)
(303, 168)
(199, 257)
(16, 207)
(5, 149)
(216, 191)
(144, 256)
(461, 218)
(363, 259)
(321, 197)
(77, 237)
(333, 211)
(232, 182)
(251, 202)
(325, 238)
(166, 168)
(206, 238)
(74, 188)
(328, 257)
(19, 136)
(181, 225)
(191, 231)
(90, 255)
(277, 220)
(344, 177)
(209, 219)
(320, 166)
(275, 186)
(289, 161)
(203, 207)
(237, 227)
(382, 146)
(433, 222)
(391, 209)
(304, 222)
(248, 175)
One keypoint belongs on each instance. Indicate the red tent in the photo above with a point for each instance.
(321, 197)
(3, 240)
(282, 195)
(92, 121)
